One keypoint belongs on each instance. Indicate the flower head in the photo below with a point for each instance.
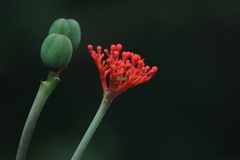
(123, 69)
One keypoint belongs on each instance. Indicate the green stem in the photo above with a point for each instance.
(45, 89)
(92, 128)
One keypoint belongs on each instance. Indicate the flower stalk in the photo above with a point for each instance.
(45, 89)
(92, 128)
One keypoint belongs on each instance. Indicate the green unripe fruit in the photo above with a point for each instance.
(69, 28)
(56, 51)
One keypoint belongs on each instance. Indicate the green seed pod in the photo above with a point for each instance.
(56, 51)
(69, 28)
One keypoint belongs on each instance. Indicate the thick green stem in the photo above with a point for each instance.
(91, 129)
(45, 89)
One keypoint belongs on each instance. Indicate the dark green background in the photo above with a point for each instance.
(190, 110)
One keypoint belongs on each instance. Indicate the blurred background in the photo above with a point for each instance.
(188, 111)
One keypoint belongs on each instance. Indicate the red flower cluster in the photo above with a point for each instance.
(123, 71)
